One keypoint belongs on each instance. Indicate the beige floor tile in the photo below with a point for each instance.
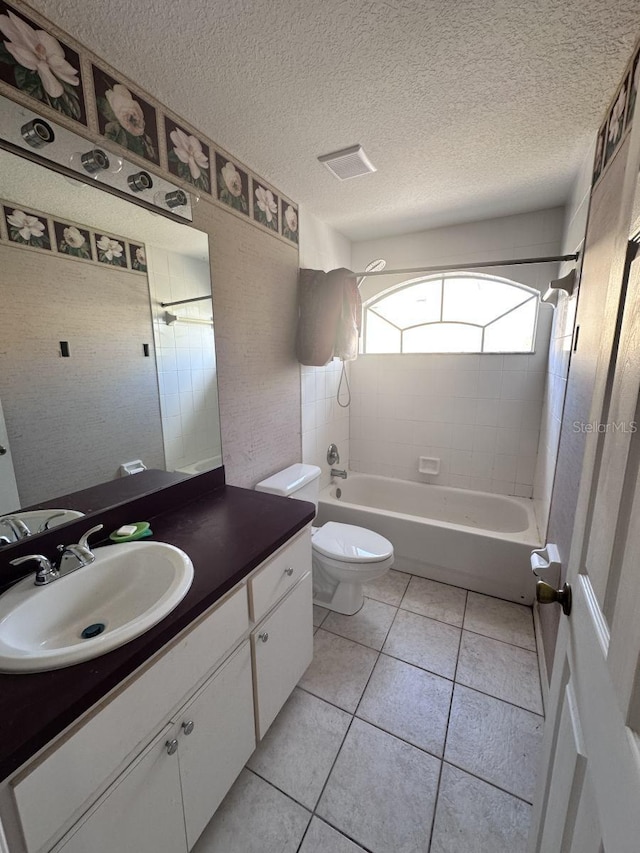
(254, 817)
(390, 588)
(322, 838)
(319, 615)
(409, 703)
(299, 749)
(474, 817)
(495, 741)
(424, 642)
(500, 669)
(502, 620)
(339, 671)
(436, 600)
(381, 792)
(369, 626)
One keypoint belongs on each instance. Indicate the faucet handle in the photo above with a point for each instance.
(45, 524)
(83, 543)
(16, 526)
(46, 572)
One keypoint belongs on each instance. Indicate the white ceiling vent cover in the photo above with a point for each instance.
(348, 163)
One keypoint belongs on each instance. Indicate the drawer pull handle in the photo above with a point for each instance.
(264, 636)
(188, 726)
(288, 571)
(172, 746)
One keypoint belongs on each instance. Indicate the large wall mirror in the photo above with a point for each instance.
(95, 374)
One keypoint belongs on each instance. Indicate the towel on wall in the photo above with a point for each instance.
(329, 316)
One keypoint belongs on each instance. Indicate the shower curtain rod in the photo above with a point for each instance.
(473, 266)
(184, 301)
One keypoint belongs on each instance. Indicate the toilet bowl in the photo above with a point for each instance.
(344, 556)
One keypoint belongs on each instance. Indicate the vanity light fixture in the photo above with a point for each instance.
(94, 161)
(139, 182)
(566, 283)
(37, 133)
(175, 198)
(91, 161)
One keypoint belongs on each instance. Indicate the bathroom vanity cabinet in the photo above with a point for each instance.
(147, 767)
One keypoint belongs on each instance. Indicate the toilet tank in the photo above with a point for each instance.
(297, 481)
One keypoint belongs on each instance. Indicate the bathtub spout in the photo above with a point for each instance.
(337, 472)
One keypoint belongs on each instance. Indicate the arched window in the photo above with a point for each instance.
(456, 312)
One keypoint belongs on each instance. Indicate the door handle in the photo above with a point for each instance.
(546, 594)
(3, 450)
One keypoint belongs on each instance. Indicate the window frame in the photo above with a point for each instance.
(369, 304)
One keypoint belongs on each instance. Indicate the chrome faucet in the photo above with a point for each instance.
(16, 526)
(72, 557)
(76, 556)
(337, 472)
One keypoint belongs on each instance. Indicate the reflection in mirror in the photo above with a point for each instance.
(97, 378)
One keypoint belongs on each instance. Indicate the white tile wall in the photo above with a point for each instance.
(560, 351)
(478, 414)
(324, 422)
(186, 357)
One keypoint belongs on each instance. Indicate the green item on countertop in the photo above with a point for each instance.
(143, 530)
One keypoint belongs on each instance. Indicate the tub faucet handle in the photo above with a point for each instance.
(333, 457)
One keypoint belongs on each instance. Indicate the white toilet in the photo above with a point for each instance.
(344, 556)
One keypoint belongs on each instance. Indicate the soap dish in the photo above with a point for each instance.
(143, 530)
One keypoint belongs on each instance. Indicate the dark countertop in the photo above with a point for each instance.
(226, 533)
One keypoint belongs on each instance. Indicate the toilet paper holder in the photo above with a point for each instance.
(543, 559)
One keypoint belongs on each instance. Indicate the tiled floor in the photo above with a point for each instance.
(416, 729)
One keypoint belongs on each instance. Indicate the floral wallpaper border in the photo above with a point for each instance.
(34, 229)
(619, 118)
(39, 62)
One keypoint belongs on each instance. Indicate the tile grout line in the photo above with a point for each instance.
(444, 745)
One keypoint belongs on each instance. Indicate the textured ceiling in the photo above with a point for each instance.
(468, 109)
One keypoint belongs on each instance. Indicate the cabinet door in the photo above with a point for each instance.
(282, 647)
(140, 813)
(221, 738)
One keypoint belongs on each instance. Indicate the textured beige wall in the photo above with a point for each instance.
(254, 280)
(70, 424)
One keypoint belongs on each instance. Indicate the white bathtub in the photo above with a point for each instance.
(475, 540)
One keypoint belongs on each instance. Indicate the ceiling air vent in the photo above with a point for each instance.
(348, 163)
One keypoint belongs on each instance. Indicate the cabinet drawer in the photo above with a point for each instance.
(279, 574)
(282, 647)
(92, 752)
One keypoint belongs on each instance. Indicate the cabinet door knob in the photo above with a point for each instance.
(172, 746)
(188, 726)
(288, 571)
(264, 636)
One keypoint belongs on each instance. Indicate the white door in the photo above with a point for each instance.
(9, 500)
(588, 798)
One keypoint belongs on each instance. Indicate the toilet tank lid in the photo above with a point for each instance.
(290, 480)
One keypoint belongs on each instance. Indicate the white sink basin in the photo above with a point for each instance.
(36, 518)
(128, 589)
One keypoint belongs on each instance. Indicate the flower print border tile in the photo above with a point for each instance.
(615, 120)
(598, 163)
(265, 205)
(193, 164)
(35, 241)
(102, 252)
(136, 263)
(63, 72)
(291, 233)
(71, 248)
(232, 184)
(124, 117)
(634, 83)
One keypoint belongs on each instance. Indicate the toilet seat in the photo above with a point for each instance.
(347, 543)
